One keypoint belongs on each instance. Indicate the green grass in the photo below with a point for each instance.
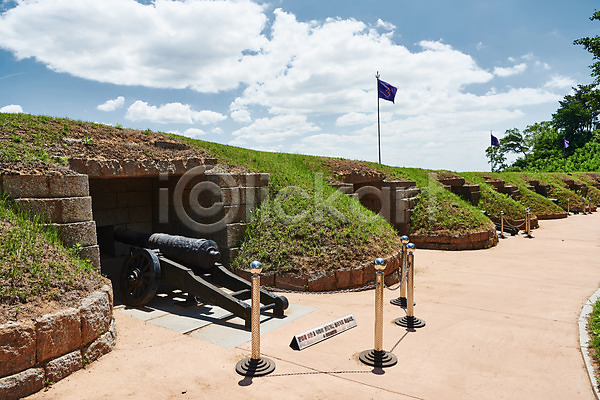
(594, 333)
(33, 262)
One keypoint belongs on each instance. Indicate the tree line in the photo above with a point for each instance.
(570, 141)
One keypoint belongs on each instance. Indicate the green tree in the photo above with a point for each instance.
(593, 46)
(578, 115)
(496, 158)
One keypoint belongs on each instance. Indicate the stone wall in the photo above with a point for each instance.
(472, 241)
(62, 200)
(34, 354)
(392, 200)
(330, 280)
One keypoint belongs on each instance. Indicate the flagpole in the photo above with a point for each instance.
(378, 123)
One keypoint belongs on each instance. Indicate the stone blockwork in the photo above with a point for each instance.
(500, 186)
(330, 280)
(456, 184)
(62, 200)
(393, 200)
(472, 241)
(37, 353)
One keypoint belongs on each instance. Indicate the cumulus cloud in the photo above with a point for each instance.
(194, 133)
(274, 129)
(12, 109)
(203, 45)
(287, 74)
(509, 71)
(112, 105)
(171, 113)
(560, 82)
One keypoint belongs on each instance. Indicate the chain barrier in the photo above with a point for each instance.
(367, 286)
(401, 282)
(513, 226)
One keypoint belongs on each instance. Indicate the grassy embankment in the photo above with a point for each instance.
(34, 266)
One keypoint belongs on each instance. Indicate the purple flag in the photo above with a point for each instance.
(495, 141)
(565, 143)
(386, 91)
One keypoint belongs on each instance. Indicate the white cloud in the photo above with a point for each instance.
(112, 105)
(12, 109)
(289, 74)
(385, 25)
(509, 71)
(165, 44)
(171, 113)
(275, 129)
(353, 118)
(194, 133)
(560, 82)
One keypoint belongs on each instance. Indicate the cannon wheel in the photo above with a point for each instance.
(139, 278)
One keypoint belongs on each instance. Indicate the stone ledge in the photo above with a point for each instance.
(473, 241)
(330, 280)
(56, 345)
(44, 186)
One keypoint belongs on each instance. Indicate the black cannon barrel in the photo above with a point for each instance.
(202, 253)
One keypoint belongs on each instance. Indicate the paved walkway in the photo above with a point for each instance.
(502, 323)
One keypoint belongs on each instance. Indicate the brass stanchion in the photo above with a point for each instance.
(255, 365)
(502, 224)
(377, 357)
(409, 320)
(568, 206)
(527, 223)
(401, 301)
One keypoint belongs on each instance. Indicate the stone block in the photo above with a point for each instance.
(23, 384)
(96, 316)
(83, 233)
(45, 186)
(57, 334)
(63, 366)
(235, 234)
(60, 210)
(103, 345)
(290, 282)
(17, 347)
(92, 254)
(324, 282)
(343, 279)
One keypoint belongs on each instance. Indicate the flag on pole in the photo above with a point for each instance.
(565, 143)
(386, 91)
(495, 141)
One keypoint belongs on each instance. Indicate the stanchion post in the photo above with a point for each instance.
(528, 222)
(409, 320)
(568, 206)
(401, 300)
(377, 357)
(502, 224)
(255, 365)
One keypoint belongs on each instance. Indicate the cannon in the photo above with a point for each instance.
(190, 264)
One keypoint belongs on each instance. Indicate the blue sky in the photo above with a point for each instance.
(299, 76)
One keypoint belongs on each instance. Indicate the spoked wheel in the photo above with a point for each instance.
(139, 279)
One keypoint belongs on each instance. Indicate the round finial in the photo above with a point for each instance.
(410, 247)
(255, 267)
(502, 212)
(379, 264)
(404, 239)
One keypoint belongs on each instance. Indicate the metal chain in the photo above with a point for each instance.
(401, 282)
(366, 286)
